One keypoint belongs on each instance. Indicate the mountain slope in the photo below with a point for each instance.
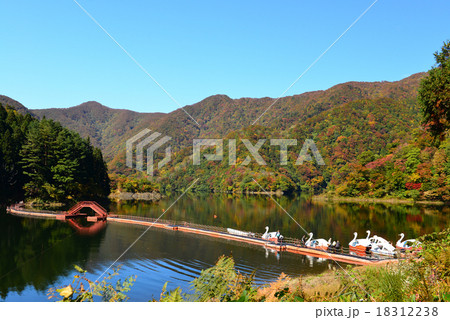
(105, 126)
(217, 115)
(7, 101)
(342, 134)
(368, 133)
(220, 115)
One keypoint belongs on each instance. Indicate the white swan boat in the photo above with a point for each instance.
(382, 247)
(321, 244)
(360, 245)
(272, 236)
(409, 244)
(376, 240)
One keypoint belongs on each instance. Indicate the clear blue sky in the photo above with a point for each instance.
(53, 55)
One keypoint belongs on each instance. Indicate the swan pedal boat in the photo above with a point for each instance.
(320, 244)
(409, 244)
(384, 249)
(376, 240)
(272, 236)
(360, 245)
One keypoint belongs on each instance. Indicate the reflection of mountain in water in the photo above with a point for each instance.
(165, 255)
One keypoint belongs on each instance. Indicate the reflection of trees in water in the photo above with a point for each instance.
(25, 243)
(36, 252)
(388, 220)
(337, 220)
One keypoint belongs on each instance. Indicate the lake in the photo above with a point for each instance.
(38, 254)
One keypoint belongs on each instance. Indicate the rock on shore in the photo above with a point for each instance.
(147, 196)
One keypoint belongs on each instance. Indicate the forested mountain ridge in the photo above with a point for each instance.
(341, 134)
(371, 147)
(104, 126)
(7, 101)
(368, 133)
(217, 115)
(220, 115)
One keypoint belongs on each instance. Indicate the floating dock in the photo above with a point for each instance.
(289, 244)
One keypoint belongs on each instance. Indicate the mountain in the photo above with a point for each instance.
(342, 134)
(7, 101)
(106, 127)
(219, 115)
(369, 134)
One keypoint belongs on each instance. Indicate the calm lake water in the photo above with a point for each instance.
(37, 254)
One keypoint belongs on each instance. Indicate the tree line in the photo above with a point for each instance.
(42, 161)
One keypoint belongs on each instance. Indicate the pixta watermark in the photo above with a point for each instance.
(308, 147)
(145, 144)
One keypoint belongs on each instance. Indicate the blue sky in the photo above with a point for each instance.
(53, 55)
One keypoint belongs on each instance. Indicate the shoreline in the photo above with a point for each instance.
(156, 196)
(325, 198)
(126, 196)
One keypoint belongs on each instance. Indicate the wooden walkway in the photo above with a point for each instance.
(217, 232)
(288, 244)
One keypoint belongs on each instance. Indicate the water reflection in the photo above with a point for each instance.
(325, 220)
(37, 254)
(91, 229)
(269, 251)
